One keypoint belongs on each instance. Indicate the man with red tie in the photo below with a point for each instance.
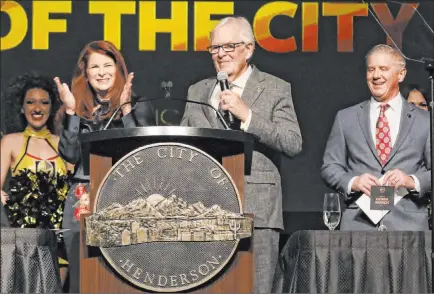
(382, 137)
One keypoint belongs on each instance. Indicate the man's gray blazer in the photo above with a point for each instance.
(350, 152)
(274, 122)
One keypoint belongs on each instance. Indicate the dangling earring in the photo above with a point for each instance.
(22, 110)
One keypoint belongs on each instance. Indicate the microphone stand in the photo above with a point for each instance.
(219, 115)
(429, 66)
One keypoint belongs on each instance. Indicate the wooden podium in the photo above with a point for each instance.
(233, 149)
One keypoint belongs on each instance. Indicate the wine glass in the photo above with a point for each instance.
(331, 210)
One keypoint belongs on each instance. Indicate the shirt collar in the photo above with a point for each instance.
(241, 81)
(394, 104)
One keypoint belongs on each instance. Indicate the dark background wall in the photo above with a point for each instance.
(323, 81)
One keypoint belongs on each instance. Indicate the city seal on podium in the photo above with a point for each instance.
(167, 218)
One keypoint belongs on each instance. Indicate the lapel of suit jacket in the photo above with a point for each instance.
(253, 87)
(365, 125)
(209, 112)
(407, 120)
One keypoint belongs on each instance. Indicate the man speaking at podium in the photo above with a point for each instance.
(263, 105)
(381, 141)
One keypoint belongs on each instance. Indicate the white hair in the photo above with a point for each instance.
(395, 53)
(243, 26)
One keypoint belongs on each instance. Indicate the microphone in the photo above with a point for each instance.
(167, 86)
(222, 77)
(219, 115)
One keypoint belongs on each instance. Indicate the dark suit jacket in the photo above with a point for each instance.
(350, 152)
(69, 144)
(274, 122)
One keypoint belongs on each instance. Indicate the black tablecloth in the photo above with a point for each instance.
(29, 261)
(355, 262)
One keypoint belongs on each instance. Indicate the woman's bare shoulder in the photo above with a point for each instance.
(13, 137)
(12, 141)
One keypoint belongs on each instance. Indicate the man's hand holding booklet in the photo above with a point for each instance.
(382, 200)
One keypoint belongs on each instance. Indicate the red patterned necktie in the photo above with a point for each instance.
(382, 135)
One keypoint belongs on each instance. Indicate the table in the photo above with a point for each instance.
(29, 262)
(355, 262)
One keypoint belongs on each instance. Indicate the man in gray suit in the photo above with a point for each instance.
(264, 106)
(382, 136)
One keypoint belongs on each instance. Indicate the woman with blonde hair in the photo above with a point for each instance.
(100, 84)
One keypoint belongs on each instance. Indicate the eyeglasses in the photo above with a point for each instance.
(229, 47)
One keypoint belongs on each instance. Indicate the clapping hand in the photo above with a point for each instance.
(126, 95)
(66, 96)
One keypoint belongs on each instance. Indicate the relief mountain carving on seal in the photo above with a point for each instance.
(160, 219)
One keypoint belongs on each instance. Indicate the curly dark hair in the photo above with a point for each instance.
(14, 98)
